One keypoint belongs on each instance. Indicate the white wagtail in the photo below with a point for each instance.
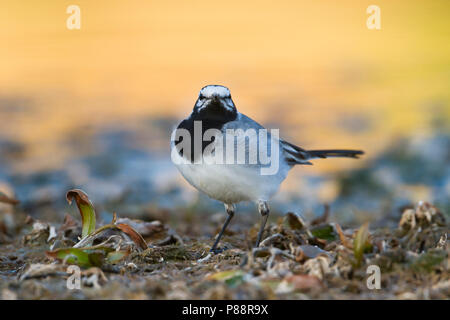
(202, 153)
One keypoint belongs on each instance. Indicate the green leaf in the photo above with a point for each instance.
(325, 232)
(116, 256)
(80, 257)
(235, 281)
(232, 278)
(225, 275)
(361, 243)
(86, 209)
(88, 256)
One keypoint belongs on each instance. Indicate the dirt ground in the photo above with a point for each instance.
(298, 259)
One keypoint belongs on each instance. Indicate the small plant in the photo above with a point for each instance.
(361, 244)
(111, 251)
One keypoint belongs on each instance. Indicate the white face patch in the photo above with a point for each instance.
(223, 93)
(220, 91)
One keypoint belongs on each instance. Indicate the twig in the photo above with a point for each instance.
(94, 235)
(205, 259)
(270, 239)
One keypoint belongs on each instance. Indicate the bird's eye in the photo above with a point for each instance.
(201, 97)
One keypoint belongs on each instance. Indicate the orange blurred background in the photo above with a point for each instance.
(313, 68)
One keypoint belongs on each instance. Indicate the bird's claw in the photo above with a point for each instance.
(218, 250)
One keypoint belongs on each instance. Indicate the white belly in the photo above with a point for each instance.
(232, 183)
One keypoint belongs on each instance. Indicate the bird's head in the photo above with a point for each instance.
(214, 102)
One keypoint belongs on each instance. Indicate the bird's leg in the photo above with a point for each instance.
(263, 209)
(230, 211)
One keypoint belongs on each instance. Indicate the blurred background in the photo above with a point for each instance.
(93, 108)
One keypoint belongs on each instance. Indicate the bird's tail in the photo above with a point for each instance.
(296, 155)
(334, 154)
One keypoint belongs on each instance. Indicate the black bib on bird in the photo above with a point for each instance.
(214, 116)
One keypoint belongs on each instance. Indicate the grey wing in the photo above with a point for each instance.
(291, 153)
(242, 122)
(246, 137)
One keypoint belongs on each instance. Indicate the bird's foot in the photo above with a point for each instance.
(211, 253)
(218, 250)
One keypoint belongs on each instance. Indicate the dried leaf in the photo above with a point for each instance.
(86, 209)
(442, 244)
(38, 235)
(94, 277)
(261, 252)
(427, 214)
(271, 240)
(69, 223)
(408, 220)
(6, 199)
(70, 229)
(423, 215)
(146, 229)
(318, 267)
(303, 282)
(294, 221)
(38, 270)
(345, 242)
(133, 234)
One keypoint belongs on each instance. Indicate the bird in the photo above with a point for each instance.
(203, 155)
